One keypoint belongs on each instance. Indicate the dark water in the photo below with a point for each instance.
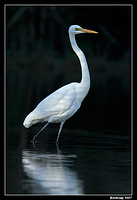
(82, 163)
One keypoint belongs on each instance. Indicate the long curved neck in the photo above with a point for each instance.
(85, 81)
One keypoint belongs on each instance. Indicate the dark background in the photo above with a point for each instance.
(39, 60)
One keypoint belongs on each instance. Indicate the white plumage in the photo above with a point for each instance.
(64, 102)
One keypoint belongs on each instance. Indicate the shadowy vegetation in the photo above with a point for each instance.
(40, 60)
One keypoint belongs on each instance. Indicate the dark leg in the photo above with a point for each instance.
(39, 132)
(61, 125)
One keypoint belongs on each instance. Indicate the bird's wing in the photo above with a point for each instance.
(58, 102)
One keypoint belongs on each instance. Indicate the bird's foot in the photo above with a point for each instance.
(33, 141)
(34, 144)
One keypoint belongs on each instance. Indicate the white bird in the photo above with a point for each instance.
(64, 102)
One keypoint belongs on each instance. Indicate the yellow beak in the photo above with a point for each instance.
(87, 31)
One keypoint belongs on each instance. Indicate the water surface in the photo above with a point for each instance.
(84, 162)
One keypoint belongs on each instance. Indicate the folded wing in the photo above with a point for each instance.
(60, 105)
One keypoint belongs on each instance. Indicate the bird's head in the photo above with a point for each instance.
(76, 29)
(30, 120)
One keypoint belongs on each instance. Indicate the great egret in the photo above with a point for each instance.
(64, 102)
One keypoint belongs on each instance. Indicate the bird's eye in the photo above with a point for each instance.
(76, 29)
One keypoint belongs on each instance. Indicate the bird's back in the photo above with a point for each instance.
(60, 105)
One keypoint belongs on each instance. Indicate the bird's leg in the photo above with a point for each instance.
(39, 132)
(61, 125)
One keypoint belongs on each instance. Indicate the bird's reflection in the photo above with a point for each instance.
(50, 173)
